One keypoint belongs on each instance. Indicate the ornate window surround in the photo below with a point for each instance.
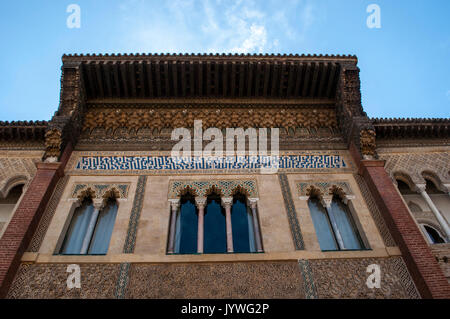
(99, 193)
(201, 189)
(325, 190)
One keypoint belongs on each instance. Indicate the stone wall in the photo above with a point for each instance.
(326, 278)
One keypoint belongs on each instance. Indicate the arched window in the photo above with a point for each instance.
(90, 229)
(242, 221)
(7, 206)
(186, 226)
(77, 229)
(103, 229)
(215, 240)
(345, 224)
(404, 188)
(322, 224)
(434, 237)
(335, 227)
(413, 207)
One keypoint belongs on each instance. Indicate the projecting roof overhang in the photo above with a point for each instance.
(149, 76)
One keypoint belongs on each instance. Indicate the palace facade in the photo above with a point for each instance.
(96, 186)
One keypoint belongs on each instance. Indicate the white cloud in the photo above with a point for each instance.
(215, 25)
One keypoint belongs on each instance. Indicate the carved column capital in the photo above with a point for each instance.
(98, 203)
(174, 203)
(227, 202)
(200, 201)
(252, 202)
(420, 188)
(326, 201)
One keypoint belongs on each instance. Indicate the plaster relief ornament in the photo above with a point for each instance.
(52, 143)
(368, 145)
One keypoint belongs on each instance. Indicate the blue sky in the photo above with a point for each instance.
(404, 65)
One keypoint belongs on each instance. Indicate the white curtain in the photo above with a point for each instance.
(103, 229)
(345, 224)
(324, 231)
(77, 229)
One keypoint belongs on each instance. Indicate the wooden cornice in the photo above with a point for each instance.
(149, 76)
(411, 128)
(23, 130)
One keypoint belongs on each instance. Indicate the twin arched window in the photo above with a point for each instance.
(206, 226)
(90, 229)
(335, 226)
(433, 235)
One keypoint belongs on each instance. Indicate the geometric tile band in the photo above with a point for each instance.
(308, 279)
(122, 281)
(130, 241)
(158, 163)
(292, 214)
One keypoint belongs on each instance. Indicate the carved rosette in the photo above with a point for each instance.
(367, 143)
(53, 143)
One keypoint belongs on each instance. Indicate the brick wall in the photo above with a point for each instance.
(19, 232)
(421, 263)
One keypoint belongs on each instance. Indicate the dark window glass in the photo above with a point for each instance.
(322, 225)
(215, 240)
(434, 235)
(242, 226)
(186, 227)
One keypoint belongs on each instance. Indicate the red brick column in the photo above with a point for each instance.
(19, 232)
(421, 263)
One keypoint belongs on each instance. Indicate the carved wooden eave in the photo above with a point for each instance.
(411, 128)
(23, 131)
(149, 76)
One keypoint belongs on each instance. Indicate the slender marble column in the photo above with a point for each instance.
(174, 205)
(326, 201)
(98, 204)
(421, 188)
(258, 240)
(201, 203)
(227, 202)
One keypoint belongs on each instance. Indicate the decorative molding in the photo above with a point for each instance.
(291, 212)
(414, 166)
(100, 191)
(346, 278)
(367, 143)
(130, 241)
(388, 240)
(201, 188)
(122, 281)
(326, 189)
(133, 120)
(235, 163)
(53, 142)
(46, 218)
(308, 279)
